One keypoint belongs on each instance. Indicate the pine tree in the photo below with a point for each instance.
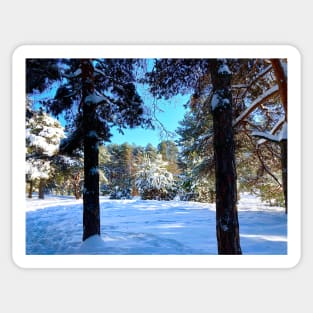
(43, 136)
(102, 94)
(119, 169)
(227, 224)
(196, 154)
(194, 76)
(169, 151)
(69, 174)
(151, 151)
(263, 85)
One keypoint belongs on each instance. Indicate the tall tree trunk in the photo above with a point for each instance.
(227, 224)
(41, 189)
(281, 79)
(284, 153)
(91, 211)
(30, 190)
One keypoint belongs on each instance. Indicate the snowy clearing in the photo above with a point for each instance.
(147, 227)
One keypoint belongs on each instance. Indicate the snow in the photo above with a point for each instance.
(37, 169)
(41, 143)
(215, 101)
(153, 175)
(284, 66)
(149, 227)
(92, 134)
(265, 135)
(94, 171)
(223, 68)
(218, 101)
(95, 99)
(74, 74)
(268, 136)
(283, 135)
(44, 133)
(257, 102)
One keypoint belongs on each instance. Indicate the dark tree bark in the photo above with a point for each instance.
(41, 189)
(284, 166)
(227, 224)
(91, 214)
(93, 120)
(281, 80)
(30, 190)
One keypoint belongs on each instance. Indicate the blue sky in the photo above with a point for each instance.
(171, 112)
(168, 112)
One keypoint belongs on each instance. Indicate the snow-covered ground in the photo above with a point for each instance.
(54, 226)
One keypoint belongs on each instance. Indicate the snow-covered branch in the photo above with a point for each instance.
(95, 99)
(73, 75)
(266, 136)
(259, 75)
(98, 71)
(257, 102)
(270, 136)
(273, 130)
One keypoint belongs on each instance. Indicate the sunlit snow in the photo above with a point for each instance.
(54, 226)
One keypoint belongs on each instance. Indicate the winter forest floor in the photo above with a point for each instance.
(54, 226)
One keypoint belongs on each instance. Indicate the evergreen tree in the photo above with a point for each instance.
(153, 180)
(102, 94)
(43, 136)
(227, 224)
(104, 159)
(172, 76)
(196, 155)
(169, 151)
(257, 164)
(69, 174)
(263, 86)
(151, 151)
(120, 171)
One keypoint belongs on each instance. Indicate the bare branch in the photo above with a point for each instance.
(266, 168)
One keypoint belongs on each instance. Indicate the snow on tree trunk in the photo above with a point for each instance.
(227, 225)
(91, 211)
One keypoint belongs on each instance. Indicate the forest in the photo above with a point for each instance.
(232, 139)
